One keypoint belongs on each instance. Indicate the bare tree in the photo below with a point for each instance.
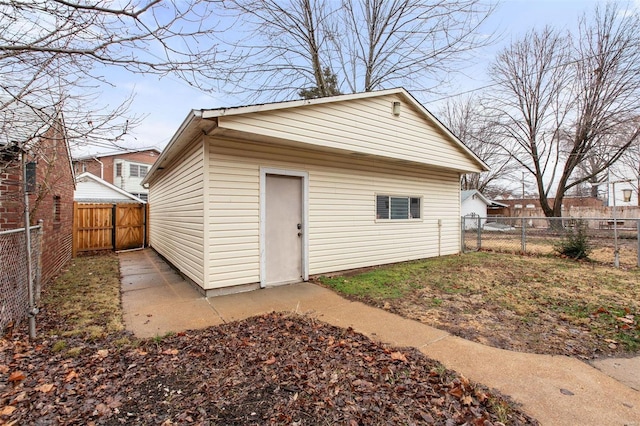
(467, 119)
(53, 54)
(564, 102)
(367, 44)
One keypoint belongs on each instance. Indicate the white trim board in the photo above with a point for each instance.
(264, 171)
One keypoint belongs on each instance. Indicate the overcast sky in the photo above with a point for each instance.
(167, 101)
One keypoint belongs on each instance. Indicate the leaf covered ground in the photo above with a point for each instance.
(539, 304)
(270, 369)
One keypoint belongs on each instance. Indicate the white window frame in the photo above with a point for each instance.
(389, 218)
(139, 167)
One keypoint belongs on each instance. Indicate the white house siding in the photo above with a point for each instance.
(176, 213)
(88, 189)
(126, 181)
(343, 232)
(361, 125)
(471, 208)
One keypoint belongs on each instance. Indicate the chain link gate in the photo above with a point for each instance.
(14, 287)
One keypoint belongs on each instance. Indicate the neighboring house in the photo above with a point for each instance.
(620, 188)
(269, 194)
(92, 189)
(125, 169)
(530, 207)
(474, 205)
(51, 198)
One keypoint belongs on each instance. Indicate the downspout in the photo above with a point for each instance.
(101, 167)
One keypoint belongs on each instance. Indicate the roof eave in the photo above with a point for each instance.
(191, 117)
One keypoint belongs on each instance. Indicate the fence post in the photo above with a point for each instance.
(39, 266)
(114, 213)
(523, 242)
(479, 242)
(75, 237)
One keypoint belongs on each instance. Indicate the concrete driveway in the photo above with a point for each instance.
(556, 390)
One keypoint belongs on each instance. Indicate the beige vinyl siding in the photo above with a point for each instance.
(343, 231)
(362, 125)
(176, 213)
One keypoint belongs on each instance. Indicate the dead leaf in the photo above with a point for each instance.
(170, 352)
(4, 369)
(20, 397)
(482, 397)
(457, 392)
(7, 410)
(465, 382)
(114, 402)
(45, 388)
(467, 400)
(102, 410)
(625, 320)
(16, 376)
(334, 378)
(398, 356)
(72, 375)
(271, 360)
(566, 392)
(102, 353)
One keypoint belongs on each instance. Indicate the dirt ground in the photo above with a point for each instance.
(538, 304)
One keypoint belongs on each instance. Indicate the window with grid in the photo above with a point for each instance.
(118, 169)
(397, 208)
(138, 170)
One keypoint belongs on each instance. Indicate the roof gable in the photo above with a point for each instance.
(467, 194)
(363, 124)
(91, 187)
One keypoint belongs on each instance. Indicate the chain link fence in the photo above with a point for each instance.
(541, 235)
(14, 286)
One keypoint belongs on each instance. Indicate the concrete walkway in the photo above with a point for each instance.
(556, 390)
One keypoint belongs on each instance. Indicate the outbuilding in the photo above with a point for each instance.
(476, 208)
(91, 189)
(261, 195)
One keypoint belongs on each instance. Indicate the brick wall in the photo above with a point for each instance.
(11, 201)
(54, 180)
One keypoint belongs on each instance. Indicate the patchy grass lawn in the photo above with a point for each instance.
(271, 369)
(87, 295)
(539, 304)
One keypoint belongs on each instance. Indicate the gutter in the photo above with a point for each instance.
(101, 167)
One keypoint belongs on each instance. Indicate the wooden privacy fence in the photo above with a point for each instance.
(108, 226)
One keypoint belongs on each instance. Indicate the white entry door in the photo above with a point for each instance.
(283, 229)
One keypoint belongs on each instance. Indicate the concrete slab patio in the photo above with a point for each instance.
(556, 390)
